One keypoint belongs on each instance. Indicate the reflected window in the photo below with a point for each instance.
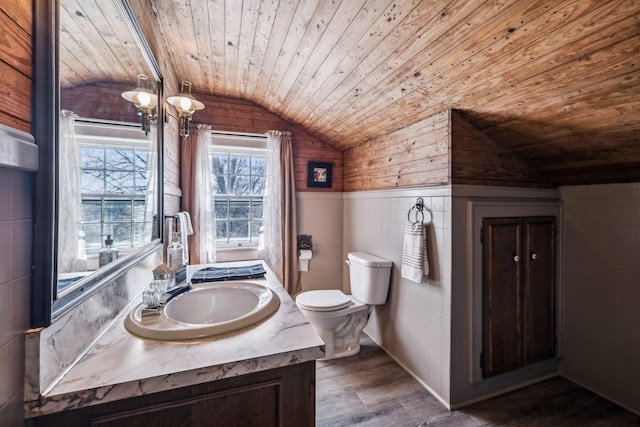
(114, 180)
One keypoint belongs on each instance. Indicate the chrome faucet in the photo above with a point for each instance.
(154, 301)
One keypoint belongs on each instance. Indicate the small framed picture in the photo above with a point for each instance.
(319, 175)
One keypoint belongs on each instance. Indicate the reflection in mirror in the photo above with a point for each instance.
(99, 192)
(113, 165)
(108, 202)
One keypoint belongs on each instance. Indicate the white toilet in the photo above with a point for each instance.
(339, 318)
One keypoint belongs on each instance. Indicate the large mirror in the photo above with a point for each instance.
(98, 191)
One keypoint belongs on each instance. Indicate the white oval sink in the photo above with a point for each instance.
(209, 309)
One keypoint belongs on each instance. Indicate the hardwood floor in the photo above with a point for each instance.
(370, 389)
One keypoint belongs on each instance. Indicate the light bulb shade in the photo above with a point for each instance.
(142, 96)
(185, 103)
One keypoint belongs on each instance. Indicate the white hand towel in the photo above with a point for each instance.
(189, 224)
(183, 222)
(168, 235)
(415, 263)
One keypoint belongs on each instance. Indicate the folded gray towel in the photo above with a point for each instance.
(218, 274)
(415, 263)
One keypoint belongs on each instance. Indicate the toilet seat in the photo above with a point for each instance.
(323, 300)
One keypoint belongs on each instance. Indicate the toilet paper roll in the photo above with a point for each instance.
(305, 254)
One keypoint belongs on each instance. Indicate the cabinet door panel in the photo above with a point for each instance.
(539, 289)
(253, 405)
(502, 308)
(282, 397)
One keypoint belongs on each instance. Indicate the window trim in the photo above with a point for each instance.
(237, 143)
(105, 134)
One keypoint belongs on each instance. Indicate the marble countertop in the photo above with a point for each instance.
(119, 365)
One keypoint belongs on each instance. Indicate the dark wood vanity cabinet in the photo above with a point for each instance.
(278, 397)
(519, 285)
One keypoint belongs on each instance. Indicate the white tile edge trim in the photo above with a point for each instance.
(461, 190)
(444, 190)
(456, 190)
(19, 150)
(319, 195)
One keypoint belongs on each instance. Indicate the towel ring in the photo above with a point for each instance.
(418, 212)
(419, 215)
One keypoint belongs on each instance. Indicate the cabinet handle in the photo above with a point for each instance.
(534, 256)
(516, 258)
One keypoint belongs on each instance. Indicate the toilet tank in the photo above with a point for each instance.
(370, 276)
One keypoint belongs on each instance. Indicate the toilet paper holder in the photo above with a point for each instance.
(305, 241)
(305, 245)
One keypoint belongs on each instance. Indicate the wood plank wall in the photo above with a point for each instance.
(443, 149)
(417, 155)
(414, 156)
(230, 114)
(101, 101)
(145, 13)
(16, 31)
(478, 160)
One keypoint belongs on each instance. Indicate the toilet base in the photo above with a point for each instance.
(351, 351)
(345, 340)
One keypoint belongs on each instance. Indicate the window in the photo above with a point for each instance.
(113, 181)
(239, 171)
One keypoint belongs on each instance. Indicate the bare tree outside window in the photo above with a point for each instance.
(238, 185)
(113, 188)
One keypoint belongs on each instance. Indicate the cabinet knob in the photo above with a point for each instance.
(516, 258)
(534, 256)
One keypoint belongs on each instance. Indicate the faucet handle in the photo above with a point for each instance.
(151, 298)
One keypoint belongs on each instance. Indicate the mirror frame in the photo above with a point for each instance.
(45, 307)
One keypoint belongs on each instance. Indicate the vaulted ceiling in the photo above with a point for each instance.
(556, 82)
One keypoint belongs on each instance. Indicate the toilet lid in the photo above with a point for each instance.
(324, 300)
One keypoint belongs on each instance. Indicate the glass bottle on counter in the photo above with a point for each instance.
(107, 253)
(175, 253)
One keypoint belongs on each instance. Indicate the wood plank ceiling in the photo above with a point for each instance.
(96, 45)
(554, 81)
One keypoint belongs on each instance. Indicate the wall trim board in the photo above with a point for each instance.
(319, 195)
(440, 190)
(514, 387)
(595, 391)
(19, 150)
(440, 399)
(460, 190)
(512, 193)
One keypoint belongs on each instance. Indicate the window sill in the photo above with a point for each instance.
(239, 253)
(236, 248)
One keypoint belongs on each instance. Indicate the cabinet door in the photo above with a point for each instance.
(519, 258)
(539, 289)
(502, 300)
(283, 397)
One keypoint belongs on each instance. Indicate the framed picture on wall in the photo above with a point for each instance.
(319, 175)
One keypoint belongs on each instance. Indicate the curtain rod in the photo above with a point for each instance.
(105, 122)
(239, 134)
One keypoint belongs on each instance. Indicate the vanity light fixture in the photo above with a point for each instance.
(145, 101)
(186, 104)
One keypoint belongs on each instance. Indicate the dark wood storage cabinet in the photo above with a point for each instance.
(278, 397)
(519, 285)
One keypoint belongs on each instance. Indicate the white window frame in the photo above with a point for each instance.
(105, 134)
(241, 144)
